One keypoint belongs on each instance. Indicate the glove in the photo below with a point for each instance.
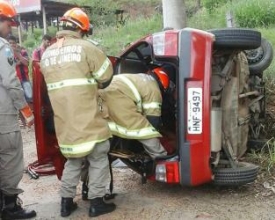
(27, 115)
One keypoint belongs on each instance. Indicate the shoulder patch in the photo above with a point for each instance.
(9, 55)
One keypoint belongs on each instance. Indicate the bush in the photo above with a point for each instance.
(265, 158)
(113, 40)
(51, 31)
(203, 20)
(37, 32)
(29, 43)
(210, 5)
(255, 13)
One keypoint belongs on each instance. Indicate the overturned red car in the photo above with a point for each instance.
(218, 104)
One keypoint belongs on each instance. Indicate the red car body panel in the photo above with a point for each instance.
(194, 72)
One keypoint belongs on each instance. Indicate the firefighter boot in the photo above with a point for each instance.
(13, 210)
(67, 206)
(99, 207)
(85, 189)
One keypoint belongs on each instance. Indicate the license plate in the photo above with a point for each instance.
(194, 111)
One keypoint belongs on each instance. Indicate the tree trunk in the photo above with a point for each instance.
(174, 14)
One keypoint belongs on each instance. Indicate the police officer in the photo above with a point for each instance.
(73, 69)
(133, 104)
(11, 101)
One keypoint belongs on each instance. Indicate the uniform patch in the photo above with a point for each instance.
(9, 55)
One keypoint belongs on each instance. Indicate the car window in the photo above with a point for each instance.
(141, 52)
(132, 55)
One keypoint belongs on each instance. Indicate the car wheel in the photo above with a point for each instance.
(244, 173)
(236, 38)
(256, 144)
(260, 58)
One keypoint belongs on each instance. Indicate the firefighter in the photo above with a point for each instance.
(11, 101)
(73, 69)
(133, 104)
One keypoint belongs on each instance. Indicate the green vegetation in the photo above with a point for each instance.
(243, 12)
(113, 40)
(103, 12)
(33, 40)
(266, 157)
(255, 13)
(268, 33)
(211, 5)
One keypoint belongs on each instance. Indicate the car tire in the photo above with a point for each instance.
(260, 58)
(227, 176)
(256, 144)
(236, 38)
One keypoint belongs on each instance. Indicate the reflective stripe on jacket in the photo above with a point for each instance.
(148, 132)
(78, 150)
(134, 90)
(123, 99)
(70, 82)
(72, 68)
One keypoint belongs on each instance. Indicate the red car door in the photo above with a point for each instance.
(46, 142)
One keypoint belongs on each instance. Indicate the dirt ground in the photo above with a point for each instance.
(153, 200)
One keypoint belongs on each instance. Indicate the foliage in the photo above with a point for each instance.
(210, 5)
(29, 43)
(37, 33)
(102, 13)
(113, 40)
(265, 157)
(254, 13)
(203, 20)
(107, 12)
(268, 33)
(34, 38)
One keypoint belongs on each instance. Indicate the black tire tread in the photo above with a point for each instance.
(245, 173)
(236, 38)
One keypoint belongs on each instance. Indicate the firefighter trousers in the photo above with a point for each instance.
(99, 174)
(11, 163)
(153, 147)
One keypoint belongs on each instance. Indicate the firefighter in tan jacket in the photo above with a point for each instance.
(74, 69)
(134, 107)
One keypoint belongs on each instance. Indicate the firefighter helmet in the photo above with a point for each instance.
(77, 17)
(161, 76)
(7, 11)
